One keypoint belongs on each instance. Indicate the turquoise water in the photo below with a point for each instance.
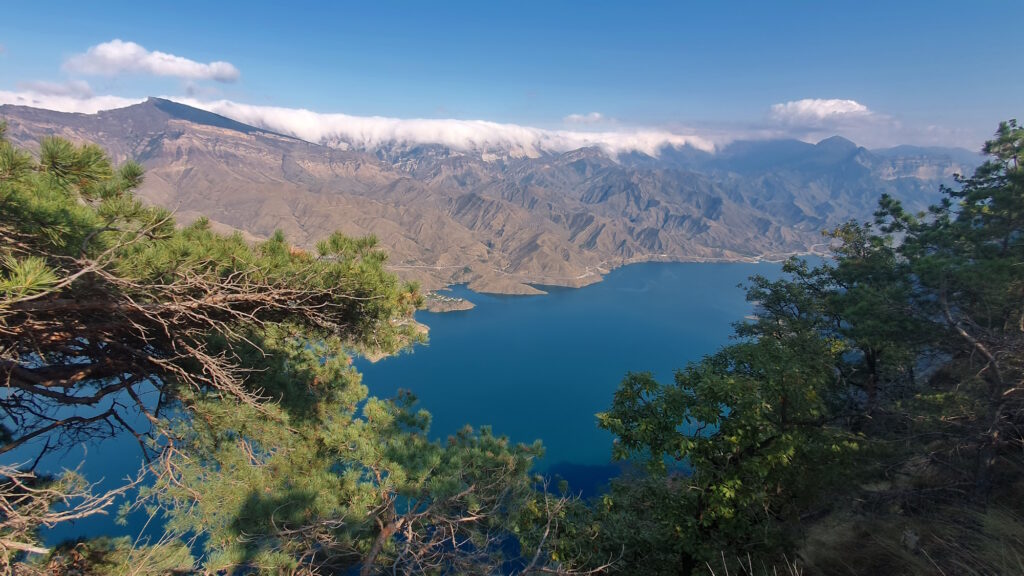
(532, 367)
(541, 367)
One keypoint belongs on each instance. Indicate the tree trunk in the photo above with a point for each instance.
(386, 532)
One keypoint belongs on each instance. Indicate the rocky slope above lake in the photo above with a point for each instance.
(502, 223)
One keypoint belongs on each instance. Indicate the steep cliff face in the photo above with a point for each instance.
(500, 221)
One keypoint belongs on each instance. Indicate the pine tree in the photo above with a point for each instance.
(263, 441)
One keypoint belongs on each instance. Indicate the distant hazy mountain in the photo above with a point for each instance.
(497, 220)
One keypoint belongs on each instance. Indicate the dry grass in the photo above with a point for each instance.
(748, 567)
(945, 541)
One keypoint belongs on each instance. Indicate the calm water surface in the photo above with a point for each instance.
(540, 367)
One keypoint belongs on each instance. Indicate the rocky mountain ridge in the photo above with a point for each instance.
(502, 223)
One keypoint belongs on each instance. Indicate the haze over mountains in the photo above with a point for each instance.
(503, 218)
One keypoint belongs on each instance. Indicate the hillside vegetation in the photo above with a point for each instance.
(869, 421)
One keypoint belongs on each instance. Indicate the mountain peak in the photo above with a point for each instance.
(586, 152)
(837, 143)
(154, 108)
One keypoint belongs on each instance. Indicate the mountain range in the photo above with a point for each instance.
(503, 222)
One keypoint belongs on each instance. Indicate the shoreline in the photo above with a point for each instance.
(527, 285)
(441, 303)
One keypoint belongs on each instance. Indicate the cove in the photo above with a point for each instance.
(540, 367)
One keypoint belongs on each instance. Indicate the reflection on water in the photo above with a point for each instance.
(107, 462)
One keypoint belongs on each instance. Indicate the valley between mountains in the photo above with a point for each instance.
(503, 223)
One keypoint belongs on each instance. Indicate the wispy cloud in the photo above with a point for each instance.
(194, 89)
(478, 135)
(73, 88)
(120, 57)
(65, 102)
(592, 118)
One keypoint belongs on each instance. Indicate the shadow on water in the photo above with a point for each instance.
(586, 480)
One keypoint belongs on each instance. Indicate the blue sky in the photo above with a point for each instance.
(919, 72)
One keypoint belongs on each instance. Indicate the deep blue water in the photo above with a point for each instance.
(541, 367)
(532, 367)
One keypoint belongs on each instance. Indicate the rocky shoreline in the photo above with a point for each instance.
(434, 302)
(504, 283)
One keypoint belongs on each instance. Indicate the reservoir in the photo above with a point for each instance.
(541, 367)
(531, 367)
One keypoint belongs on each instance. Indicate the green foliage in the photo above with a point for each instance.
(752, 425)
(81, 166)
(14, 163)
(881, 385)
(264, 443)
(265, 495)
(25, 277)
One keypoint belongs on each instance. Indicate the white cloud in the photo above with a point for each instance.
(65, 102)
(367, 132)
(120, 57)
(813, 119)
(818, 111)
(477, 135)
(849, 119)
(592, 118)
(74, 88)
